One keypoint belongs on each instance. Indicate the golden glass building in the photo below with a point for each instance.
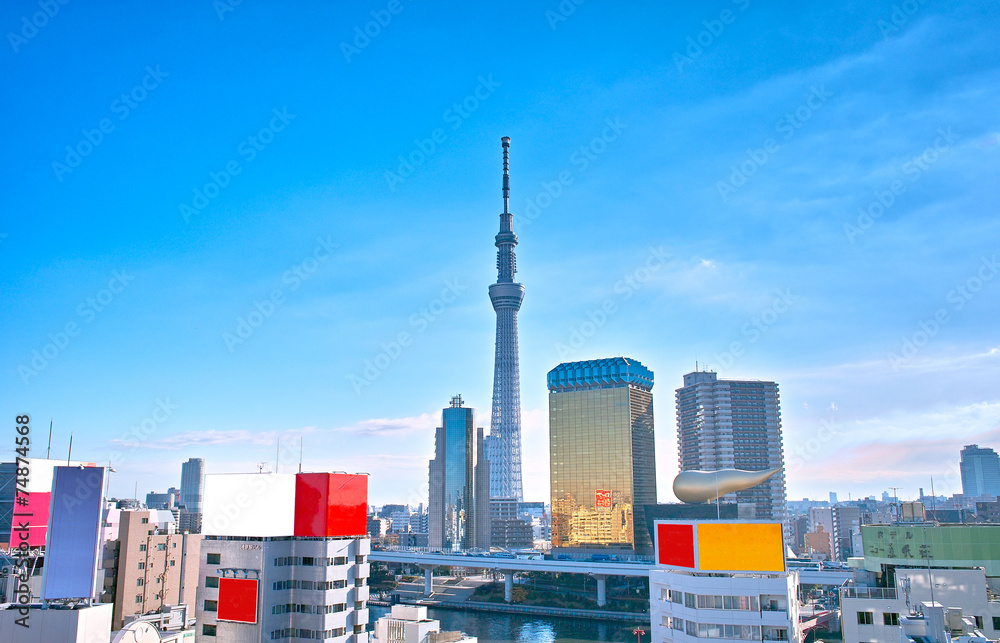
(602, 459)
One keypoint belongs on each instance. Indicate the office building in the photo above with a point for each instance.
(722, 580)
(504, 442)
(453, 520)
(733, 424)
(192, 493)
(168, 500)
(508, 528)
(846, 520)
(155, 567)
(284, 558)
(980, 469)
(601, 450)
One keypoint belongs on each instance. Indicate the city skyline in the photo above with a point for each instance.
(728, 203)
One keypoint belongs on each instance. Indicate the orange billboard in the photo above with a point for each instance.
(721, 546)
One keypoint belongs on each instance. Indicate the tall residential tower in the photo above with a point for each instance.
(504, 444)
(733, 424)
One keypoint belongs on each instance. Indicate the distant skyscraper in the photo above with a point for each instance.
(601, 450)
(504, 443)
(980, 469)
(192, 494)
(453, 521)
(733, 424)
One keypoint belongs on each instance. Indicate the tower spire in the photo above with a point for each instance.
(505, 141)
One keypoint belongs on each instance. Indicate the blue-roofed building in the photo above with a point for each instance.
(602, 457)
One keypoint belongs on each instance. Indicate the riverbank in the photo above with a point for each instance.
(529, 610)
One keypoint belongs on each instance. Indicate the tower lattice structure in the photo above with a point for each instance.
(504, 450)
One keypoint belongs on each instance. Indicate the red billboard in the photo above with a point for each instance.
(331, 505)
(238, 600)
(603, 499)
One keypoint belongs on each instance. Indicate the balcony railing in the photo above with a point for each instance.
(880, 593)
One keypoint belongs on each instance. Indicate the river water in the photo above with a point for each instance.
(520, 628)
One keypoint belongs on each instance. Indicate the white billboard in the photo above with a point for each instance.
(249, 504)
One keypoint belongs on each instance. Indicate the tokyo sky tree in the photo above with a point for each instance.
(505, 425)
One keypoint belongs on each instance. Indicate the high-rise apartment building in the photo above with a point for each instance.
(980, 469)
(601, 450)
(455, 513)
(733, 424)
(192, 493)
(284, 558)
(156, 566)
(504, 442)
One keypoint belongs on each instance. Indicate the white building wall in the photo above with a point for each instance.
(779, 589)
(953, 588)
(260, 555)
(85, 625)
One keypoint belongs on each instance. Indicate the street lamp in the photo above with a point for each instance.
(639, 632)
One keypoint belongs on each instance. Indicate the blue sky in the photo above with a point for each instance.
(798, 193)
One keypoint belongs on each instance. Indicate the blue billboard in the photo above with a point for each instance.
(72, 546)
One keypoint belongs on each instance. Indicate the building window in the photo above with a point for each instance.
(866, 618)
(208, 630)
(689, 600)
(138, 598)
(138, 582)
(142, 548)
(211, 581)
(676, 597)
(161, 547)
(144, 521)
(172, 563)
(142, 565)
(979, 622)
(890, 618)
(359, 560)
(211, 606)
(214, 559)
(340, 560)
(996, 622)
(308, 560)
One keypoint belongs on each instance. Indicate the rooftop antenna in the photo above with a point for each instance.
(300, 454)
(69, 455)
(505, 141)
(48, 453)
